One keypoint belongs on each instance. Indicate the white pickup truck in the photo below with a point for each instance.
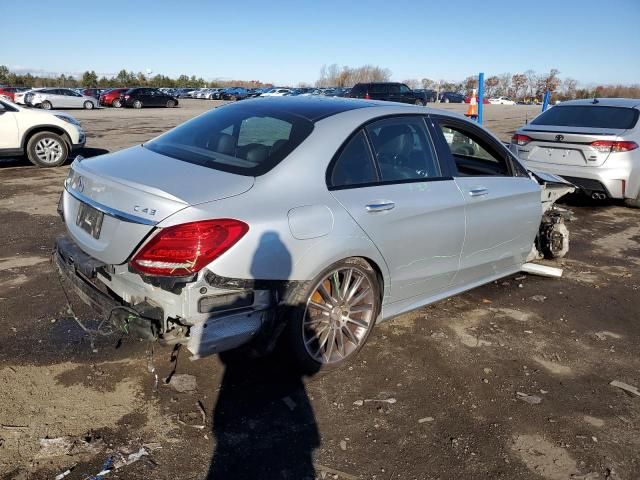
(47, 138)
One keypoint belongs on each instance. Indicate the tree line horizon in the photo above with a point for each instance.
(525, 85)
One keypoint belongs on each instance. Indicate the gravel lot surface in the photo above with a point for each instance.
(508, 381)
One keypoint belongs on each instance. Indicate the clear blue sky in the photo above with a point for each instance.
(285, 42)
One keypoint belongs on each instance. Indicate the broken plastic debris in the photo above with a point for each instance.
(129, 459)
(626, 387)
(343, 445)
(425, 420)
(63, 474)
(386, 400)
(183, 383)
(530, 399)
(288, 401)
(358, 403)
(542, 270)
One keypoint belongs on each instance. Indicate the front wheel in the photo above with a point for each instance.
(88, 105)
(46, 105)
(420, 103)
(116, 103)
(446, 100)
(47, 149)
(137, 104)
(331, 318)
(171, 104)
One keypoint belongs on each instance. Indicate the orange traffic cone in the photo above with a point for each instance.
(472, 111)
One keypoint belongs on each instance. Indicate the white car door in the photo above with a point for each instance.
(390, 181)
(503, 204)
(9, 134)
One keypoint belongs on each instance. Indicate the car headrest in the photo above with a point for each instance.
(226, 144)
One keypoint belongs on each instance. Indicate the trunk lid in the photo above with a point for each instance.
(566, 145)
(135, 189)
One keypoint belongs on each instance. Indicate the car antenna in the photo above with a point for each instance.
(595, 100)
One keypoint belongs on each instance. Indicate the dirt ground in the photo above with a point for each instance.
(446, 392)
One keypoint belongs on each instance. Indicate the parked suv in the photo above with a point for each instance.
(9, 92)
(147, 97)
(48, 98)
(452, 97)
(389, 91)
(591, 143)
(46, 138)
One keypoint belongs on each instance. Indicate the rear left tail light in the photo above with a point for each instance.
(519, 139)
(610, 146)
(366, 96)
(185, 249)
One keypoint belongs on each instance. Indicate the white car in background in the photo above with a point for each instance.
(501, 101)
(19, 96)
(46, 138)
(277, 92)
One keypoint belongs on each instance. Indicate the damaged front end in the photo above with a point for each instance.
(552, 240)
(206, 313)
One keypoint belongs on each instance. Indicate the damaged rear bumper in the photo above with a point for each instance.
(225, 319)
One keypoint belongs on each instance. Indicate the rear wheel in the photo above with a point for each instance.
(116, 103)
(47, 149)
(137, 104)
(446, 100)
(171, 104)
(420, 103)
(331, 317)
(88, 105)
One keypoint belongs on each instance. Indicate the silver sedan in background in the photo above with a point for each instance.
(592, 143)
(299, 219)
(48, 98)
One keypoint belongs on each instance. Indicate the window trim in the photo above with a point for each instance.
(497, 147)
(445, 167)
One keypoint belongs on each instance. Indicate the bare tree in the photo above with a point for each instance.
(519, 82)
(569, 86)
(532, 82)
(504, 84)
(490, 85)
(428, 84)
(412, 83)
(469, 84)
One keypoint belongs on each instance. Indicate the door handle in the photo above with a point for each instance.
(478, 192)
(380, 207)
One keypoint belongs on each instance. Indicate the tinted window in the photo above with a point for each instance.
(404, 89)
(357, 89)
(403, 149)
(354, 165)
(588, 116)
(378, 88)
(473, 155)
(238, 139)
(394, 88)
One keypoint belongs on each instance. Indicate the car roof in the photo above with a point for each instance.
(310, 108)
(604, 102)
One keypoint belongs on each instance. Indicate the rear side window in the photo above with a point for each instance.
(358, 90)
(403, 149)
(354, 166)
(589, 116)
(378, 88)
(236, 139)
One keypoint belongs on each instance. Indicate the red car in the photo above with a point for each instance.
(485, 100)
(111, 98)
(9, 92)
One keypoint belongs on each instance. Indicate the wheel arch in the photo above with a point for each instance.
(46, 128)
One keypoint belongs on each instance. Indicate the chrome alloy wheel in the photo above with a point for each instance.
(49, 150)
(338, 315)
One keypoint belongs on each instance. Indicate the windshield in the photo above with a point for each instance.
(247, 139)
(588, 116)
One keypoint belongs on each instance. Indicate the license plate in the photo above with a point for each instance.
(89, 219)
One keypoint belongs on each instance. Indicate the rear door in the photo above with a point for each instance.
(567, 135)
(389, 179)
(503, 205)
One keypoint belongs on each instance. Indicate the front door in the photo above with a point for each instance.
(10, 138)
(503, 205)
(390, 181)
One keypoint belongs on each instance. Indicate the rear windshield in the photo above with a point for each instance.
(246, 140)
(619, 118)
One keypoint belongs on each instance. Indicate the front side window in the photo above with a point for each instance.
(246, 140)
(403, 149)
(473, 156)
(354, 166)
(404, 89)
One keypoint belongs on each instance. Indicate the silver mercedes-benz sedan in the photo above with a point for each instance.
(299, 219)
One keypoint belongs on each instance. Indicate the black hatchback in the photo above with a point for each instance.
(389, 91)
(147, 97)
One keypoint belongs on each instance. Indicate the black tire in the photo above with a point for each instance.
(38, 137)
(46, 105)
(137, 104)
(171, 104)
(446, 100)
(294, 309)
(88, 105)
(420, 103)
(116, 103)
